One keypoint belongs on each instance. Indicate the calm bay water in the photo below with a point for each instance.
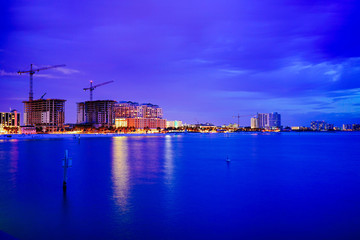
(277, 186)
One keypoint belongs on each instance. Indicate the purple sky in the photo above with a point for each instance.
(200, 61)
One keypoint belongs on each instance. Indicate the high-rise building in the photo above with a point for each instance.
(254, 122)
(347, 127)
(321, 126)
(100, 112)
(133, 114)
(266, 120)
(274, 120)
(9, 119)
(46, 113)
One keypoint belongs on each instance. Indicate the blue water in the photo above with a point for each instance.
(277, 186)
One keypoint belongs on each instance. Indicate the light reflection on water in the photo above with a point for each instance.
(169, 161)
(120, 172)
(179, 187)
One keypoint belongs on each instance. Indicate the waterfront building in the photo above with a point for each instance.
(121, 122)
(9, 119)
(27, 130)
(347, 127)
(321, 126)
(49, 114)
(254, 122)
(174, 124)
(274, 120)
(151, 123)
(356, 127)
(99, 112)
(139, 116)
(266, 120)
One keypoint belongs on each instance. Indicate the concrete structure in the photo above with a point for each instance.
(100, 112)
(46, 113)
(9, 119)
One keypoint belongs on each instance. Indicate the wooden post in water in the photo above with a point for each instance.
(67, 162)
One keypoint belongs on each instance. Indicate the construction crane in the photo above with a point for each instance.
(92, 88)
(238, 117)
(42, 97)
(32, 72)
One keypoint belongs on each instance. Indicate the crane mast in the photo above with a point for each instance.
(92, 88)
(32, 72)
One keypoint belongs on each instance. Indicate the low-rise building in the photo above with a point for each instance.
(174, 124)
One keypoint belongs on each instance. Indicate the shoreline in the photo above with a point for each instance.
(104, 135)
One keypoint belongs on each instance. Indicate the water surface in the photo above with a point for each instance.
(277, 186)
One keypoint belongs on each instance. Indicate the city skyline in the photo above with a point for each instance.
(199, 62)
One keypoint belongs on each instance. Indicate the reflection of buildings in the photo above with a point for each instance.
(46, 113)
(169, 159)
(120, 171)
(266, 120)
(96, 112)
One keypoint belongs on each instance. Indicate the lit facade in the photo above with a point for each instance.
(320, 126)
(266, 120)
(174, 124)
(140, 116)
(128, 109)
(254, 122)
(141, 123)
(46, 113)
(9, 119)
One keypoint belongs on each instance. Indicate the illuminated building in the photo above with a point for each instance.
(9, 119)
(100, 112)
(321, 126)
(347, 127)
(139, 116)
(254, 122)
(46, 113)
(141, 123)
(266, 120)
(174, 124)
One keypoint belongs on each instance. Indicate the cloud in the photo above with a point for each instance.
(66, 71)
(4, 73)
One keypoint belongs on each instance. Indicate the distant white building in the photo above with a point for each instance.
(254, 122)
(266, 120)
(174, 124)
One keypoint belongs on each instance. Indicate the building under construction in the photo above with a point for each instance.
(49, 114)
(100, 112)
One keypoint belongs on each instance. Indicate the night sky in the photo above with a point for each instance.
(201, 61)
